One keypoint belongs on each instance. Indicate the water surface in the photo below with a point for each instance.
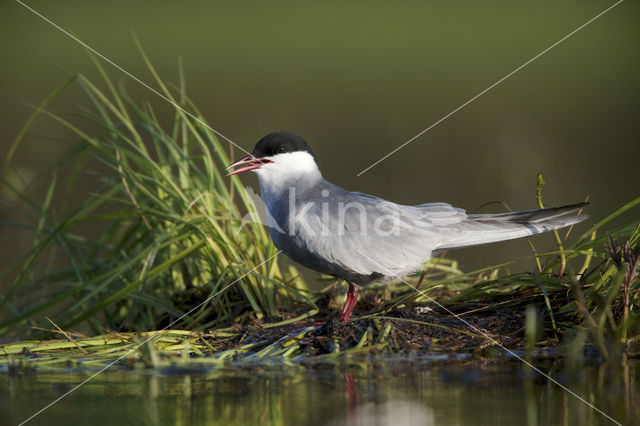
(449, 392)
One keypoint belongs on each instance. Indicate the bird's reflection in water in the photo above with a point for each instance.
(395, 412)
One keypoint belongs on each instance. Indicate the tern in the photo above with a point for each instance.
(361, 238)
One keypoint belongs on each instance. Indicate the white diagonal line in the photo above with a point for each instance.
(510, 352)
(491, 87)
(76, 39)
(145, 341)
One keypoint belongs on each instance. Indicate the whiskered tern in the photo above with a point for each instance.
(361, 238)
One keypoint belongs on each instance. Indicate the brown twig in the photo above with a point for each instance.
(122, 337)
(51, 330)
(417, 288)
(68, 336)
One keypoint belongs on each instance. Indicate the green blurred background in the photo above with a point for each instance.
(358, 80)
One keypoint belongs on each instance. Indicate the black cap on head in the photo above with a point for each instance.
(280, 143)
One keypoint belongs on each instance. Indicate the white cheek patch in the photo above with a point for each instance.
(299, 165)
(292, 163)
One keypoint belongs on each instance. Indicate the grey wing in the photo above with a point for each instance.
(350, 234)
(369, 235)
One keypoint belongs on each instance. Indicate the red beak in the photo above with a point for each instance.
(250, 163)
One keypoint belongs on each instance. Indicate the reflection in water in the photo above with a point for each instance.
(353, 397)
(393, 392)
(394, 412)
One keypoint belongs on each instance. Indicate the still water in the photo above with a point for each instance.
(391, 392)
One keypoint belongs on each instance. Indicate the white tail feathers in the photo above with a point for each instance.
(490, 228)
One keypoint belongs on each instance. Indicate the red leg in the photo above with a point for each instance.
(350, 303)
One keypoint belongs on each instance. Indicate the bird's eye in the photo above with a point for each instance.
(281, 149)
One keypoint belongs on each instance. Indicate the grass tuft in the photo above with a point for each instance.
(168, 221)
